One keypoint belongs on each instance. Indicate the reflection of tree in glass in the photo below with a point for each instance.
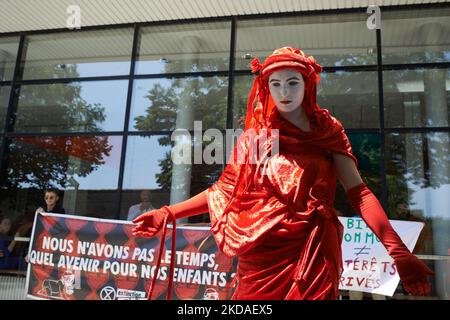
(205, 95)
(423, 159)
(241, 89)
(206, 98)
(57, 107)
(407, 101)
(346, 57)
(366, 147)
(351, 97)
(412, 156)
(48, 161)
(44, 162)
(417, 168)
(193, 62)
(49, 69)
(349, 58)
(426, 54)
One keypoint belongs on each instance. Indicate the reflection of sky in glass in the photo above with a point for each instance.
(57, 69)
(141, 163)
(446, 55)
(106, 176)
(431, 202)
(109, 94)
(140, 101)
(98, 69)
(150, 66)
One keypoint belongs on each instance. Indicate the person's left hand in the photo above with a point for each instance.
(414, 275)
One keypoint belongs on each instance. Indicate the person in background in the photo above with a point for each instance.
(7, 259)
(24, 227)
(51, 197)
(144, 206)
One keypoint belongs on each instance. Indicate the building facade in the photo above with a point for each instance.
(91, 112)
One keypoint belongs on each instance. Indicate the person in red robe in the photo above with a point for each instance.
(273, 209)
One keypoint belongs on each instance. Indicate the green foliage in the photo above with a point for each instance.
(48, 161)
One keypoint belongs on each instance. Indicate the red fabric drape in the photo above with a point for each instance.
(276, 213)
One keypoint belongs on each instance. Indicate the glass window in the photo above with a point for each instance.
(79, 54)
(418, 175)
(416, 36)
(4, 101)
(184, 48)
(145, 185)
(88, 106)
(366, 148)
(8, 54)
(241, 90)
(150, 173)
(334, 40)
(351, 97)
(85, 168)
(167, 104)
(417, 98)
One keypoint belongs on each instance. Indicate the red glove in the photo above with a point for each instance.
(413, 272)
(150, 223)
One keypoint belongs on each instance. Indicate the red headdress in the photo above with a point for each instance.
(260, 104)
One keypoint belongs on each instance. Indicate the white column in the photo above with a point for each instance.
(438, 147)
(181, 173)
(3, 58)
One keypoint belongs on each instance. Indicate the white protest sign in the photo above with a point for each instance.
(367, 265)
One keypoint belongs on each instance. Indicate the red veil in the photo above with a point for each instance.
(276, 214)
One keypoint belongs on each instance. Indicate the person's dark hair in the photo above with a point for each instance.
(52, 190)
(401, 202)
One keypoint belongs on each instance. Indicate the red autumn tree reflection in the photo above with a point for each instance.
(48, 161)
(43, 161)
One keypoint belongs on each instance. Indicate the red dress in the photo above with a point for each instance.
(282, 224)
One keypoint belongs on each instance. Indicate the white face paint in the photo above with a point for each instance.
(287, 88)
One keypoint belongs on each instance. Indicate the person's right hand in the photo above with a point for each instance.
(39, 210)
(150, 223)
